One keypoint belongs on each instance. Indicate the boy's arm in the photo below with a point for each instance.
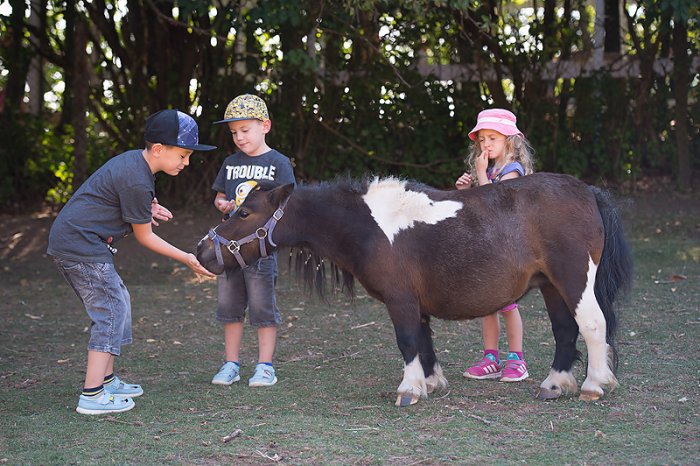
(145, 236)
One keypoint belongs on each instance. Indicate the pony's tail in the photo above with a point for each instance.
(614, 275)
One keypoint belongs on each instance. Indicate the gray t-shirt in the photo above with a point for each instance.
(239, 173)
(102, 210)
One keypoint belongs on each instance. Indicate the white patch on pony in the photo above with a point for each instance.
(413, 379)
(592, 325)
(436, 380)
(562, 380)
(395, 209)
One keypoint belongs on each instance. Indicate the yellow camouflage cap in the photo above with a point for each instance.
(245, 107)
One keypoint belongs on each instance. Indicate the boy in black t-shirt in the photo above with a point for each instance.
(119, 198)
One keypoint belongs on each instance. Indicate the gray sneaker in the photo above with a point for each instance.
(264, 376)
(229, 373)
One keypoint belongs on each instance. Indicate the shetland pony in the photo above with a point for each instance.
(454, 255)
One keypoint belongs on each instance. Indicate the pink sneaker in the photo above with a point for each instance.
(487, 368)
(514, 371)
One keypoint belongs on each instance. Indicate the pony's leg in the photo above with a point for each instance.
(591, 323)
(561, 378)
(405, 316)
(431, 366)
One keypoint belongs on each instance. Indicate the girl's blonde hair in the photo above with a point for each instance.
(517, 148)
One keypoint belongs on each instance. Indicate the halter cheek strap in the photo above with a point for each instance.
(262, 233)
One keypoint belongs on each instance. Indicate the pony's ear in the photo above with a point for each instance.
(280, 193)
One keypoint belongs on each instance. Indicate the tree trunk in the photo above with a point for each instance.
(681, 78)
(37, 19)
(69, 52)
(17, 60)
(611, 23)
(79, 103)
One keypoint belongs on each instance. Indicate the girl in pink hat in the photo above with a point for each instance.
(499, 152)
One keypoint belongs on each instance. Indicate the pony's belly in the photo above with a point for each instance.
(461, 312)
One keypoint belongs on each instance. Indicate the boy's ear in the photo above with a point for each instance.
(280, 193)
(157, 148)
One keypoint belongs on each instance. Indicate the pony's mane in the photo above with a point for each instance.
(310, 269)
(316, 272)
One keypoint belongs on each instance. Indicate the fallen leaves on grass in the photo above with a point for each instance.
(676, 277)
(274, 458)
(26, 384)
(363, 325)
(232, 435)
(119, 421)
(479, 418)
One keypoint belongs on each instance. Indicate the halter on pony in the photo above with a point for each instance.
(260, 234)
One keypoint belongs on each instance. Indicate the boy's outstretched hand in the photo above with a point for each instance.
(196, 267)
(159, 212)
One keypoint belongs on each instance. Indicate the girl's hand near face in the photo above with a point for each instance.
(481, 163)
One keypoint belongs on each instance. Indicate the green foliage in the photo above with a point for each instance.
(342, 82)
(27, 150)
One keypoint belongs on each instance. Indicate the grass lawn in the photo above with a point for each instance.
(338, 367)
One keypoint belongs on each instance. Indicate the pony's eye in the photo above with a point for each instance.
(243, 213)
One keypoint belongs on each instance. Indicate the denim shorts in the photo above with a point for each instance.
(106, 300)
(252, 288)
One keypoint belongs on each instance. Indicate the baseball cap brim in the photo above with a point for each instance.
(228, 120)
(199, 147)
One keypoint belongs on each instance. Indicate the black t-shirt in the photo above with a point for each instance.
(102, 210)
(240, 172)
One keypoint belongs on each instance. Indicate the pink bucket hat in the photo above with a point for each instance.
(496, 119)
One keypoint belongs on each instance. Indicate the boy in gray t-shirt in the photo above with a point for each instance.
(253, 287)
(118, 199)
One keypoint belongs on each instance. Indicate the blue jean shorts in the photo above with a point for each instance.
(252, 288)
(106, 300)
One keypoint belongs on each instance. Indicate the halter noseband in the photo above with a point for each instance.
(260, 234)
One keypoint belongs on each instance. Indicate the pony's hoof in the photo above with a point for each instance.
(589, 396)
(406, 399)
(546, 394)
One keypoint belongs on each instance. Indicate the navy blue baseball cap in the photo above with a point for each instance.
(174, 128)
